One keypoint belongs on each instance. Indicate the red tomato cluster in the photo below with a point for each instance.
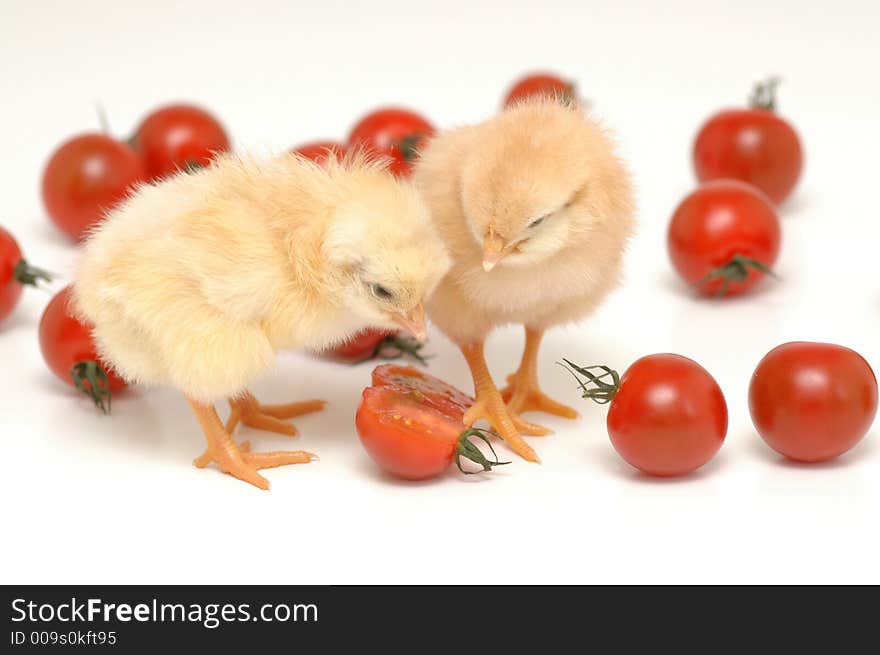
(410, 423)
(90, 174)
(725, 236)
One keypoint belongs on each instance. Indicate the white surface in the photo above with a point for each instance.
(115, 500)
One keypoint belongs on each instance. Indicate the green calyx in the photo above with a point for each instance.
(26, 274)
(409, 146)
(469, 450)
(191, 166)
(593, 386)
(91, 380)
(764, 94)
(395, 345)
(736, 270)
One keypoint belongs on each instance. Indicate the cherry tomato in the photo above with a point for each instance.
(318, 151)
(667, 415)
(395, 133)
(423, 388)
(411, 439)
(178, 137)
(812, 401)
(754, 145)
(69, 352)
(724, 238)
(371, 343)
(361, 346)
(540, 85)
(14, 273)
(86, 177)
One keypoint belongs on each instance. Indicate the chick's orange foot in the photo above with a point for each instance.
(247, 410)
(489, 405)
(524, 395)
(237, 460)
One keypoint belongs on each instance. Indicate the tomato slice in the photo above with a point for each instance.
(408, 439)
(423, 388)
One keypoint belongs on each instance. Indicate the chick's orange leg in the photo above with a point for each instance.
(522, 393)
(236, 460)
(490, 405)
(247, 410)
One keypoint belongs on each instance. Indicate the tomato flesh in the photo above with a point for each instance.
(813, 401)
(669, 416)
(319, 151)
(362, 345)
(423, 388)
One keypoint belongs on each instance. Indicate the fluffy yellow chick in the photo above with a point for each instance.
(196, 282)
(535, 209)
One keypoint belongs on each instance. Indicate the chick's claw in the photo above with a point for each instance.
(248, 411)
(525, 396)
(494, 411)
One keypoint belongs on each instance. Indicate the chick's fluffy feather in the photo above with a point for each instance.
(196, 282)
(536, 160)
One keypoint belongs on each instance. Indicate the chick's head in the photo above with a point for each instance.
(381, 240)
(541, 176)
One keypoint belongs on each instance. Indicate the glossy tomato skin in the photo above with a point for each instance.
(177, 137)
(362, 345)
(393, 132)
(718, 221)
(86, 177)
(404, 437)
(813, 401)
(64, 341)
(539, 85)
(421, 387)
(10, 288)
(755, 146)
(669, 416)
(318, 151)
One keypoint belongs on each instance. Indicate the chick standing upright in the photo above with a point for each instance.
(196, 282)
(535, 209)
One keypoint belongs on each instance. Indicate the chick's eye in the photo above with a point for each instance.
(537, 222)
(381, 292)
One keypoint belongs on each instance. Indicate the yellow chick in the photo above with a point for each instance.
(535, 209)
(195, 283)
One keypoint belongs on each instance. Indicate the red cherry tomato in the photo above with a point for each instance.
(361, 346)
(14, 273)
(69, 352)
(86, 177)
(423, 388)
(394, 133)
(754, 145)
(667, 415)
(540, 85)
(179, 137)
(410, 438)
(318, 151)
(812, 401)
(724, 238)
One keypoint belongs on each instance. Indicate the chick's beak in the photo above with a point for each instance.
(413, 321)
(494, 248)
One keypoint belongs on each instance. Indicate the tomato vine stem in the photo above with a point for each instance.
(469, 450)
(764, 94)
(396, 345)
(736, 270)
(31, 275)
(91, 380)
(601, 392)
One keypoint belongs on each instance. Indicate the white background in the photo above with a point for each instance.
(87, 498)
